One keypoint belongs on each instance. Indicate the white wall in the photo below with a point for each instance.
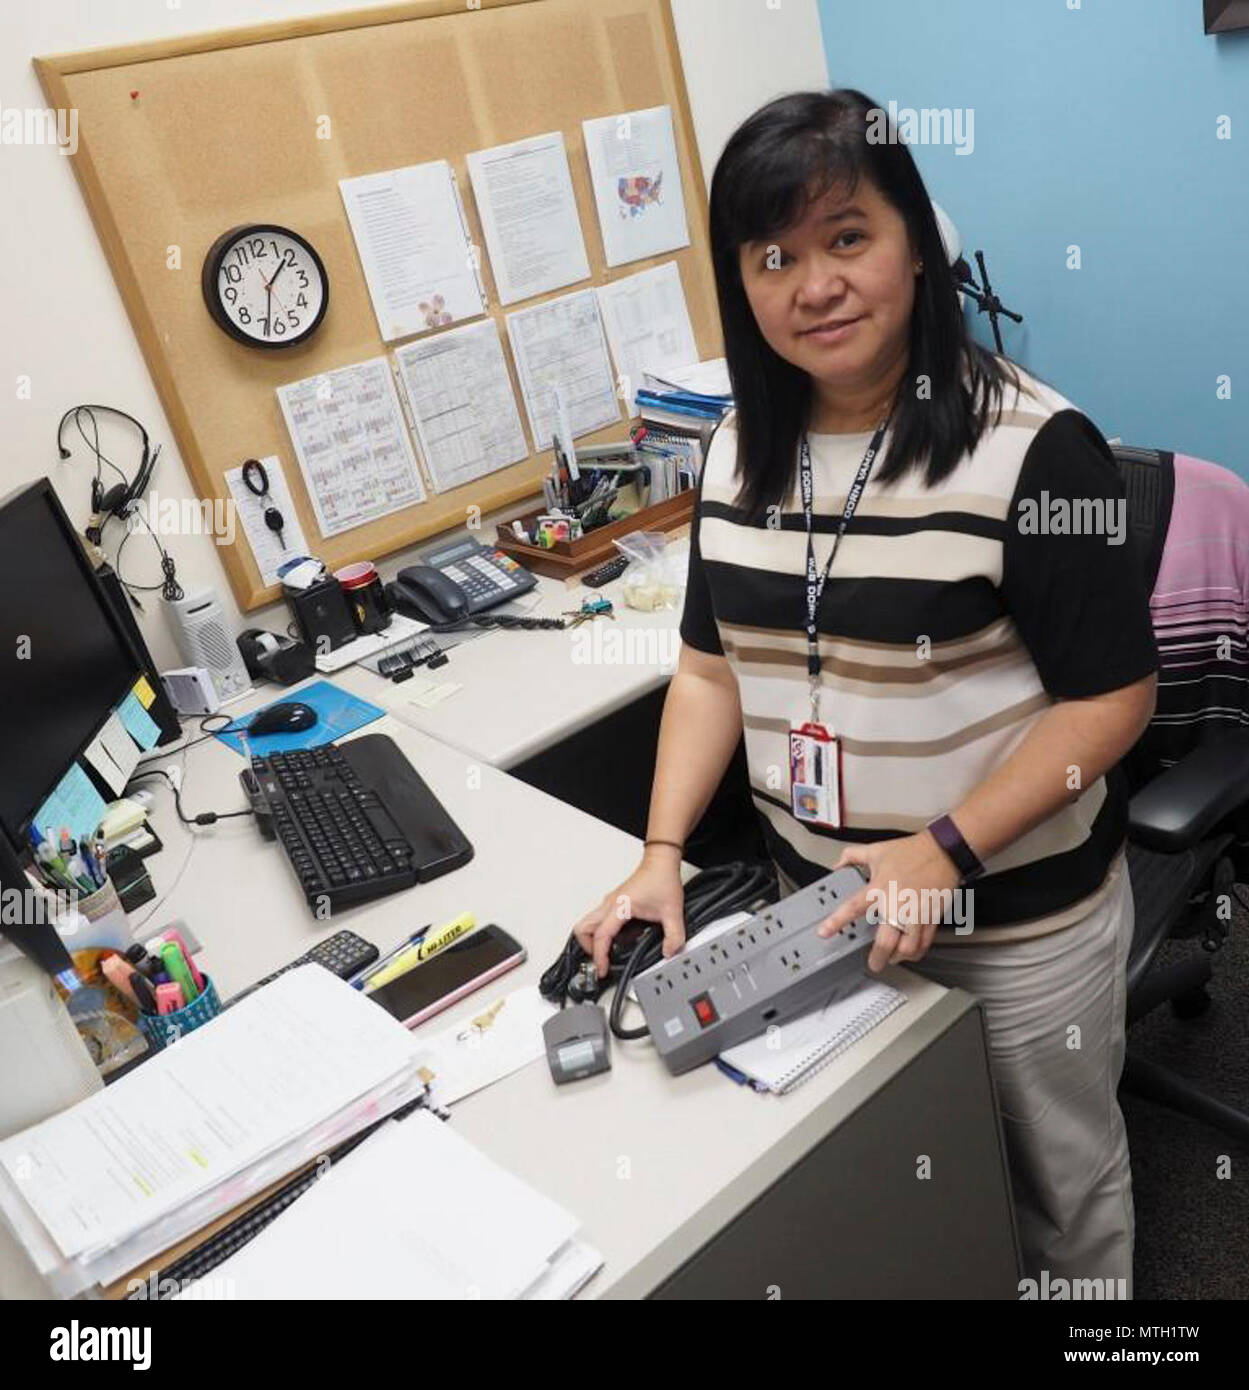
(65, 331)
(739, 54)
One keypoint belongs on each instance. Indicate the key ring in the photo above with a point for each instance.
(252, 468)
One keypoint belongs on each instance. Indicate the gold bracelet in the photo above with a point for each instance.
(672, 843)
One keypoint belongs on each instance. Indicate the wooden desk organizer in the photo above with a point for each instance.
(566, 558)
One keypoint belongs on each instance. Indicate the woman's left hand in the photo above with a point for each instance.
(905, 873)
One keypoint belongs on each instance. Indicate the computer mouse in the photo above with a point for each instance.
(290, 717)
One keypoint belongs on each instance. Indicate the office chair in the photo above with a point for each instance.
(1188, 831)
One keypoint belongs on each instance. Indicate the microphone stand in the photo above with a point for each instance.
(986, 300)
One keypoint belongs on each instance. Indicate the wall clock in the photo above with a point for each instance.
(265, 285)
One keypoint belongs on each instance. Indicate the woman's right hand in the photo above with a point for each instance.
(652, 893)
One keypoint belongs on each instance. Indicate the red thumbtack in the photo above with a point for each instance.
(134, 95)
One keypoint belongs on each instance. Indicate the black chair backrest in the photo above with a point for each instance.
(1149, 480)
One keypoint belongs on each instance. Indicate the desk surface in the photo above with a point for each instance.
(521, 692)
(650, 1164)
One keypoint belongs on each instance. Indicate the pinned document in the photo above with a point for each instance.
(270, 549)
(637, 184)
(462, 403)
(529, 215)
(559, 347)
(413, 241)
(648, 326)
(352, 445)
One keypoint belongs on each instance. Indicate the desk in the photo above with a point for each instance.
(573, 713)
(688, 1186)
(525, 691)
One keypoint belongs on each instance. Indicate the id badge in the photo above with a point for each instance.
(815, 775)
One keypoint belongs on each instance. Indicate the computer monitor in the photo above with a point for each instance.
(66, 661)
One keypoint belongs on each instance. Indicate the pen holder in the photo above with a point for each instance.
(97, 920)
(163, 1029)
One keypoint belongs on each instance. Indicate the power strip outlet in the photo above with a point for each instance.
(728, 986)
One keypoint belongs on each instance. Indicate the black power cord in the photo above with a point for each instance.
(205, 817)
(710, 895)
(511, 622)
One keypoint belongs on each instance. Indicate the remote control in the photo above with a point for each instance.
(344, 954)
(613, 569)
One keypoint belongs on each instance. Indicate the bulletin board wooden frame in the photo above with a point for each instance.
(180, 139)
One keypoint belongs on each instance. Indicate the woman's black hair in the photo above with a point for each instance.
(780, 160)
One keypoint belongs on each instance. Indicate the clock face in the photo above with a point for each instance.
(265, 286)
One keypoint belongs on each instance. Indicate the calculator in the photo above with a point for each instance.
(486, 575)
(344, 954)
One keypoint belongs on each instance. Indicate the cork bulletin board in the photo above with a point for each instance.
(180, 140)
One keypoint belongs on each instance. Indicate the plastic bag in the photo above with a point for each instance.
(653, 581)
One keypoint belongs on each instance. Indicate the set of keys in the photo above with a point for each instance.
(590, 609)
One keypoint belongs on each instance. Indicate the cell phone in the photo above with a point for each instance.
(444, 979)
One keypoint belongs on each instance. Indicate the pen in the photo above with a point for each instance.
(359, 979)
(431, 944)
(141, 988)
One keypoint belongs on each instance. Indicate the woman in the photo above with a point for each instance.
(943, 695)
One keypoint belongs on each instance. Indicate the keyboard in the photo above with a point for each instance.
(356, 822)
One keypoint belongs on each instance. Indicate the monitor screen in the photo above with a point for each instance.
(65, 662)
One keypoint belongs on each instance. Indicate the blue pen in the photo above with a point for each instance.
(361, 977)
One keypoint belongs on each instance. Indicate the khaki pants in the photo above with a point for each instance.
(1054, 1010)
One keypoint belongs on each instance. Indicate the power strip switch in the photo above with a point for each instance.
(730, 984)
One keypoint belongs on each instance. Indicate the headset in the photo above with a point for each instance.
(120, 499)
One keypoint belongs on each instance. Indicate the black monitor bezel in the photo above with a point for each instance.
(43, 490)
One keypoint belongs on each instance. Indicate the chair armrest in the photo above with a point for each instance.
(1182, 805)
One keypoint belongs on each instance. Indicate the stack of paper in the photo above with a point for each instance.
(416, 1212)
(250, 1097)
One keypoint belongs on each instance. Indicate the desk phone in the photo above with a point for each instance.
(486, 575)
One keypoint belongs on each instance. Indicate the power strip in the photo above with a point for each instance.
(730, 985)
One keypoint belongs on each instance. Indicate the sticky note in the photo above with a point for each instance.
(139, 723)
(74, 803)
(144, 691)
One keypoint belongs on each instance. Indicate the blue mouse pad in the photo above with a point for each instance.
(338, 714)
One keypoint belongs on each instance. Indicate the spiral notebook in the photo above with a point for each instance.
(789, 1054)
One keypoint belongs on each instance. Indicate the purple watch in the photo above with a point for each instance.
(950, 838)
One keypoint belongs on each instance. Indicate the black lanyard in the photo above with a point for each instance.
(815, 580)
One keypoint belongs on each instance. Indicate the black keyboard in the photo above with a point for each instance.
(356, 822)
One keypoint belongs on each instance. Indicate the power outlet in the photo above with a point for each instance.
(730, 984)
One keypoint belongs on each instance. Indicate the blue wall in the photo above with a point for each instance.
(1094, 127)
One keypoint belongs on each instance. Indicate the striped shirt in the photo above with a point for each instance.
(952, 619)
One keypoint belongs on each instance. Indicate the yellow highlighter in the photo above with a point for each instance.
(430, 944)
